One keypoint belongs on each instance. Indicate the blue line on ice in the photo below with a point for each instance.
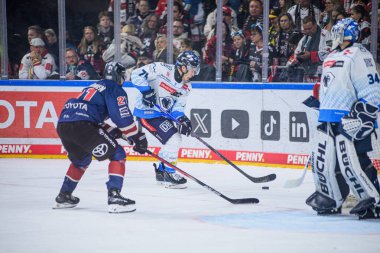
(297, 221)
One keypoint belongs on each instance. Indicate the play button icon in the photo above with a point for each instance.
(235, 124)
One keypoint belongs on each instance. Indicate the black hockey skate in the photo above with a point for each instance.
(366, 209)
(170, 180)
(65, 200)
(119, 204)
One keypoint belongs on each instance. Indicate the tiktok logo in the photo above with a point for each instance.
(270, 125)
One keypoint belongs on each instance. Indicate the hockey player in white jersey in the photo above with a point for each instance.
(349, 103)
(167, 86)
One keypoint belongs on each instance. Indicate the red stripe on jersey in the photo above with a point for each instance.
(148, 126)
(185, 87)
(117, 168)
(168, 88)
(328, 64)
(74, 173)
(130, 131)
(21, 66)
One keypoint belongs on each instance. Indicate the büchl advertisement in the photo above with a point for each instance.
(248, 126)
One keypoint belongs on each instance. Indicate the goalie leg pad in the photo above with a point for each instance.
(323, 164)
(361, 186)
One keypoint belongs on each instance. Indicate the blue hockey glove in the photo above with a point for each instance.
(185, 126)
(149, 98)
(139, 141)
(359, 123)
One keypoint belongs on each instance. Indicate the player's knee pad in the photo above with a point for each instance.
(82, 163)
(324, 168)
(169, 151)
(119, 154)
(356, 177)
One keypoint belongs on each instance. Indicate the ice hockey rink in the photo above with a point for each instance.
(167, 220)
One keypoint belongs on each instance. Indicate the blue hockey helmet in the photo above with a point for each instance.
(114, 71)
(345, 30)
(190, 60)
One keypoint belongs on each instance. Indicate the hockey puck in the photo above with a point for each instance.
(265, 187)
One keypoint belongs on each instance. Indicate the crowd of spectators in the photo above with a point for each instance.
(299, 39)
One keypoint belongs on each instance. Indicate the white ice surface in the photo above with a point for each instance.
(191, 220)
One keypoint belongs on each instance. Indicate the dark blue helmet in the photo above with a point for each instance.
(114, 71)
(190, 60)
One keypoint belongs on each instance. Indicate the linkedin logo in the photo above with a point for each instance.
(298, 127)
(235, 124)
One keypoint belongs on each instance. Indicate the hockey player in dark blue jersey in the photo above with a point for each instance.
(84, 135)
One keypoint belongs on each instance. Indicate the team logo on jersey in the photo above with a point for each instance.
(368, 62)
(326, 81)
(100, 150)
(167, 102)
(165, 126)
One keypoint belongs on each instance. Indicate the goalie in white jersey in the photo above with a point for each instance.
(349, 103)
(167, 86)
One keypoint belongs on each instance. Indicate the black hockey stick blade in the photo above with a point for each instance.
(262, 179)
(233, 201)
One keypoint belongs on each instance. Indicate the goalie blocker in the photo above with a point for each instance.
(338, 165)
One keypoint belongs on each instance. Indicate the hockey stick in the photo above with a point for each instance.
(233, 201)
(262, 179)
(292, 183)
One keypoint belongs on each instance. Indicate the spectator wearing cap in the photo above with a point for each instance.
(227, 18)
(38, 64)
(211, 19)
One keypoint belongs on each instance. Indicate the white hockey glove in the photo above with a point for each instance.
(359, 123)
